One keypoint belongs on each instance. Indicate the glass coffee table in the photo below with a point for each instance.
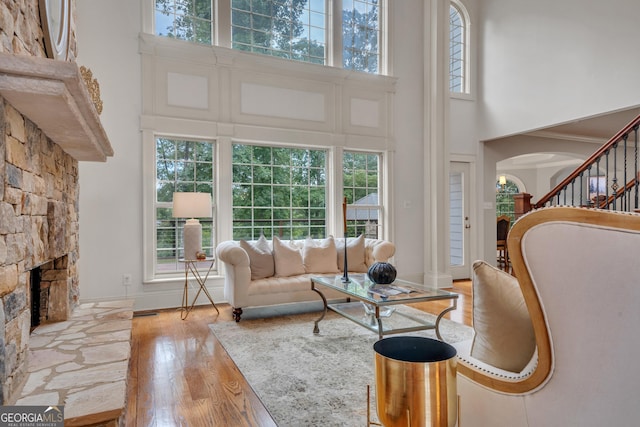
(375, 303)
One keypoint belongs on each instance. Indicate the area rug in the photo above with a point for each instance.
(305, 379)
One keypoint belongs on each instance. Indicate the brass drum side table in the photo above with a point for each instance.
(191, 266)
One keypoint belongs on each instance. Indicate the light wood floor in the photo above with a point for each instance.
(180, 375)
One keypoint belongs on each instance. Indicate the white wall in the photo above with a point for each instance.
(111, 192)
(546, 62)
(407, 48)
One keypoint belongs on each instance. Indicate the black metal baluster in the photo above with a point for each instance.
(614, 186)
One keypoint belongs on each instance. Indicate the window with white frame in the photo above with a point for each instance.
(505, 190)
(286, 29)
(190, 20)
(276, 190)
(458, 49)
(279, 191)
(292, 29)
(361, 186)
(181, 166)
(361, 35)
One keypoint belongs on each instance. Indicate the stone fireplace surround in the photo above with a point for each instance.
(39, 211)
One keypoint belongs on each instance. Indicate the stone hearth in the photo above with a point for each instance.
(82, 363)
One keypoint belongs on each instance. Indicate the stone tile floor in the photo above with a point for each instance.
(82, 363)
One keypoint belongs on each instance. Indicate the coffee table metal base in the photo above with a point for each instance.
(355, 312)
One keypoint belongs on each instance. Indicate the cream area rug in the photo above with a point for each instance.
(314, 380)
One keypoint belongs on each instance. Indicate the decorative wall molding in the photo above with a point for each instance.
(270, 95)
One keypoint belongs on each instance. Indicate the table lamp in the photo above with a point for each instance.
(192, 206)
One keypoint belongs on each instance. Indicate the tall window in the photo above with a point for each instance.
(361, 35)
(458, 49)
(291, 29)
(183, 166)
(504, 198)
(184, 19)
(361, 184)
(279, 191)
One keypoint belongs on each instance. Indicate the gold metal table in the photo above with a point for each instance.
(191, 267)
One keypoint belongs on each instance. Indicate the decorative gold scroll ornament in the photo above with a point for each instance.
(93, 86)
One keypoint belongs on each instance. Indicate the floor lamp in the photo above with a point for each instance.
(192, 206)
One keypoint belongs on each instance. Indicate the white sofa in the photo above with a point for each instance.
(579, 273)
(241, 291)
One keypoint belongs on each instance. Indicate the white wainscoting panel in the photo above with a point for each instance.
(274, 101)
(365, 112)
(186, 90)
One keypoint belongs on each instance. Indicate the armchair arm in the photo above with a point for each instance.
(237, 272)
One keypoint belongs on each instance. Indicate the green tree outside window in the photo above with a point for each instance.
(505, 204)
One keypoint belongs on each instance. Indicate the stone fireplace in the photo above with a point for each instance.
(48, 122)
(38, 207)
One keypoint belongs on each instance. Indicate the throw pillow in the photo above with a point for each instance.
(260, 258)
(320, 257)
(504, 335)
(288, 258)
(355, 255)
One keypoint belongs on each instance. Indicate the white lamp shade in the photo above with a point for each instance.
(192, 205)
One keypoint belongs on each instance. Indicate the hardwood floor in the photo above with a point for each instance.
(180, 375)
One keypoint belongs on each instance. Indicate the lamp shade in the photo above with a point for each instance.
(192, 205)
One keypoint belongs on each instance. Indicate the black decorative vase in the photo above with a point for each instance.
(382, 273)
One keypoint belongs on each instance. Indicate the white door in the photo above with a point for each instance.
(459, 222)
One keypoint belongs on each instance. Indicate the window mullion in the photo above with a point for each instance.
(222, 33)
(334, 33)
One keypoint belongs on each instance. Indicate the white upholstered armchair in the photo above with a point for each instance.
(579, 272)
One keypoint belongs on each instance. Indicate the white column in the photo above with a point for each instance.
(436, 144)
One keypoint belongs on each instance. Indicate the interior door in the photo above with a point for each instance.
(459, 221)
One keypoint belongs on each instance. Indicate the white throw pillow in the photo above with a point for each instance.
(260, 258)
(355, 255)
(320, 257)
(288, 258)
(504, 335)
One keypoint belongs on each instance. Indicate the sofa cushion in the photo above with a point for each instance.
(355, 255)
(320, 256)
(504, 335)
(260, 258)
(287, 258)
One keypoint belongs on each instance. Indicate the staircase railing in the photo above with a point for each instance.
(608, 179)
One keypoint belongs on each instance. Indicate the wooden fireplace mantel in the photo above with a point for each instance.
(53, 95)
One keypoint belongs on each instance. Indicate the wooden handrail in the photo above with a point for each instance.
(633, 124)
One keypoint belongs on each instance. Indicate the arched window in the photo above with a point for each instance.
(458, 48)
(506, 187)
